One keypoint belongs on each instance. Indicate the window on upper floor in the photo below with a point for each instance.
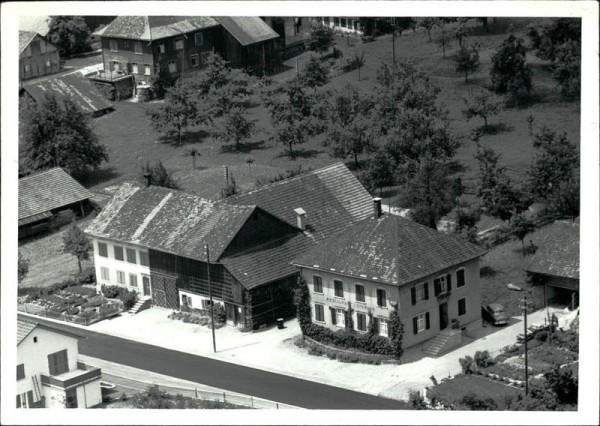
(419, 293)
(138, 48)
(198, 39)
(134, 68)
(338, 287)
(381, 298)
(462, 306)
(42, 46)
(114, 46)
(20, 371)
(460, 277)
(297, 25)
(144, 259)
(58, 363)
(102, 249)
(28, 51)
(317, 284)
(131, 257)
(118, 252)
(361, 321)
(161, 48)
(442, 284)
(359, 290)
(319, 312)
(179, 44)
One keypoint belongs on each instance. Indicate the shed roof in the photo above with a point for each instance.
(49, 190)
(169, 220)
(389, 249)
(75, 87)
(26, 325)
(247, 30)
(268, 262)
(558, 254)
(331, 196)
(154, 27)
(25, 37)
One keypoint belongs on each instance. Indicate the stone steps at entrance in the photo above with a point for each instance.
(142, 303)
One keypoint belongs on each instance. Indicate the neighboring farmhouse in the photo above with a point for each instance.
(49, 199)
(293, 32)
(48, 373)
(556, 264)
(143, 45)
(343, 24)
(153, 240)
(37, 57)
(386, 260)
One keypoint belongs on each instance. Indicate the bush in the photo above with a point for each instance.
(483, 359)
(416, 400)
(467, 365)
(116, 292)
(82, 291)
(220, 314)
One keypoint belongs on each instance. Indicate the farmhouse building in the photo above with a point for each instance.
(49, 199)
(143, 45)
(349, 24)
(293, 32)
(48, 372)
(556, 264)
(37, 57)
(387, 260)
(153, 240)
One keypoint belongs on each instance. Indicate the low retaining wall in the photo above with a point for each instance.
(385, 359)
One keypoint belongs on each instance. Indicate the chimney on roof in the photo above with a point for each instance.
(376, 207)
(148, 177)
(301, 218)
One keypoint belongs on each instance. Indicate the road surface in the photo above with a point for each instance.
(224, 375)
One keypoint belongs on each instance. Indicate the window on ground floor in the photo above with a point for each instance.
(342, 22)
(421, 323)
(102, 250)
(361, 322)
(25, 399)
(319, 312)
(336, 21)
(195, 61)
(204, 56)
(120, 277)
(147, 69)
(338, 288)
(326, 19)
(340, 317)
(134, 68)
(133, 280)
(172, 66)
(462, 306)
(104, 274)
(383, 327)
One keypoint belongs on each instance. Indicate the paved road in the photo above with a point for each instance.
(224, 375)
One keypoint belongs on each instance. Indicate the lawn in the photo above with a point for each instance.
(131, 141)
(452, 390)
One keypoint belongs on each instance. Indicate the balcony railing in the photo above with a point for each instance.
(72, 378)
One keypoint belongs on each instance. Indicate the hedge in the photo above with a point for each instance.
(117, 292)
(343, 339)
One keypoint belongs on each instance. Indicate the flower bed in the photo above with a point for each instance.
(196, 317)
(342, 355)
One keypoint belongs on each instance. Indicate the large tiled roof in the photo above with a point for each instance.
(331, 196)
(390, 249)
(247, 29)
(268, 262)
(24, 327)
(558, 254)
(170, 221)
(25, 37)
(154, 27)
(47, 191)
(75, 87)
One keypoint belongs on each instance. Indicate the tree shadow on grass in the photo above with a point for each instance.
(455, 166)
(245, 148)
(495, 129)
(197, 136)
(487, 272)
(299, 153)
(96, 177)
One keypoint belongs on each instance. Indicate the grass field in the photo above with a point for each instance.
(131, 141)
(452, 390)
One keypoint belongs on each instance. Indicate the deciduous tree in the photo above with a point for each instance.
(314, 74)
(321, 38)
(521, 226)
(357, 62)
(235, 127)
(428, 23)
(467, 60)
(379, 171)
(75, 242)
(156, 174)
(510, 72)
(55, 133)
(482, 104)
(70, 34)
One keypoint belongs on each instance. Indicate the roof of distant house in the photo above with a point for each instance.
(247, 29)
(45, 191)
(25, 326)
(35, 23)
(558, 253)
(25, 37)
(170, 221)
(75, 87)
(268, 262)
(154, 27)
(332, 198)
(389, 249)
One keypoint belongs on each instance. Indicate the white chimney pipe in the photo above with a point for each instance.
(301, 218)
(377, 207)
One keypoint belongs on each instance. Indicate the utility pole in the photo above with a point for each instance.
(212, 308)
(525, 306)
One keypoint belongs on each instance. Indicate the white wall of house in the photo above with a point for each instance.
(470, 292)
(89, 394)
(342, 24)
(197, 301)
(113, 265)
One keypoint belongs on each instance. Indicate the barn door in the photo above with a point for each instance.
(164, 291)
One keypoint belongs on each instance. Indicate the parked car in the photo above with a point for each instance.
(494, 313)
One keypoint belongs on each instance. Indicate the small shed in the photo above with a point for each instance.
(49, 199)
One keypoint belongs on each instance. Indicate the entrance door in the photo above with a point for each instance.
(146, 284)
(71, 398)
(230, 313)
(443, 316)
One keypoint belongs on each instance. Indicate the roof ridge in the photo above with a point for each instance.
(40, 173)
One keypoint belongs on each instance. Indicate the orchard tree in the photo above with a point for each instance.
(467, 60)
(156, 174)
(521, 226)
(427, 23)
(565, 199)
(482, 103)
(70, 34)
(379, 171)
(510, 72)
(315, 74)
(78, 244)
(23, 267)
(55, 133)
(162, 81)
(290, 133)
(357, 62)
(321, 38)
(445, 35)
(460, 31)
(236, 127)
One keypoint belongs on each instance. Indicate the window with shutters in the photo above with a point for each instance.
(118, 252)
(104, 274)
(131, 257)
(317, 284)
(442, 284)
(134, 68)
(383, 327)
(133, 280)
(381, 300)
(137, 47)
(419, 293)
(20, 371)
(361, 321)
(120, 277)
(460, 277)
(360, 292)
(144, 260)
(462, 306)
(340, 318)
(338, 288)
(319, 312)
(421, 323)
(58, 363)
(102, 250)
